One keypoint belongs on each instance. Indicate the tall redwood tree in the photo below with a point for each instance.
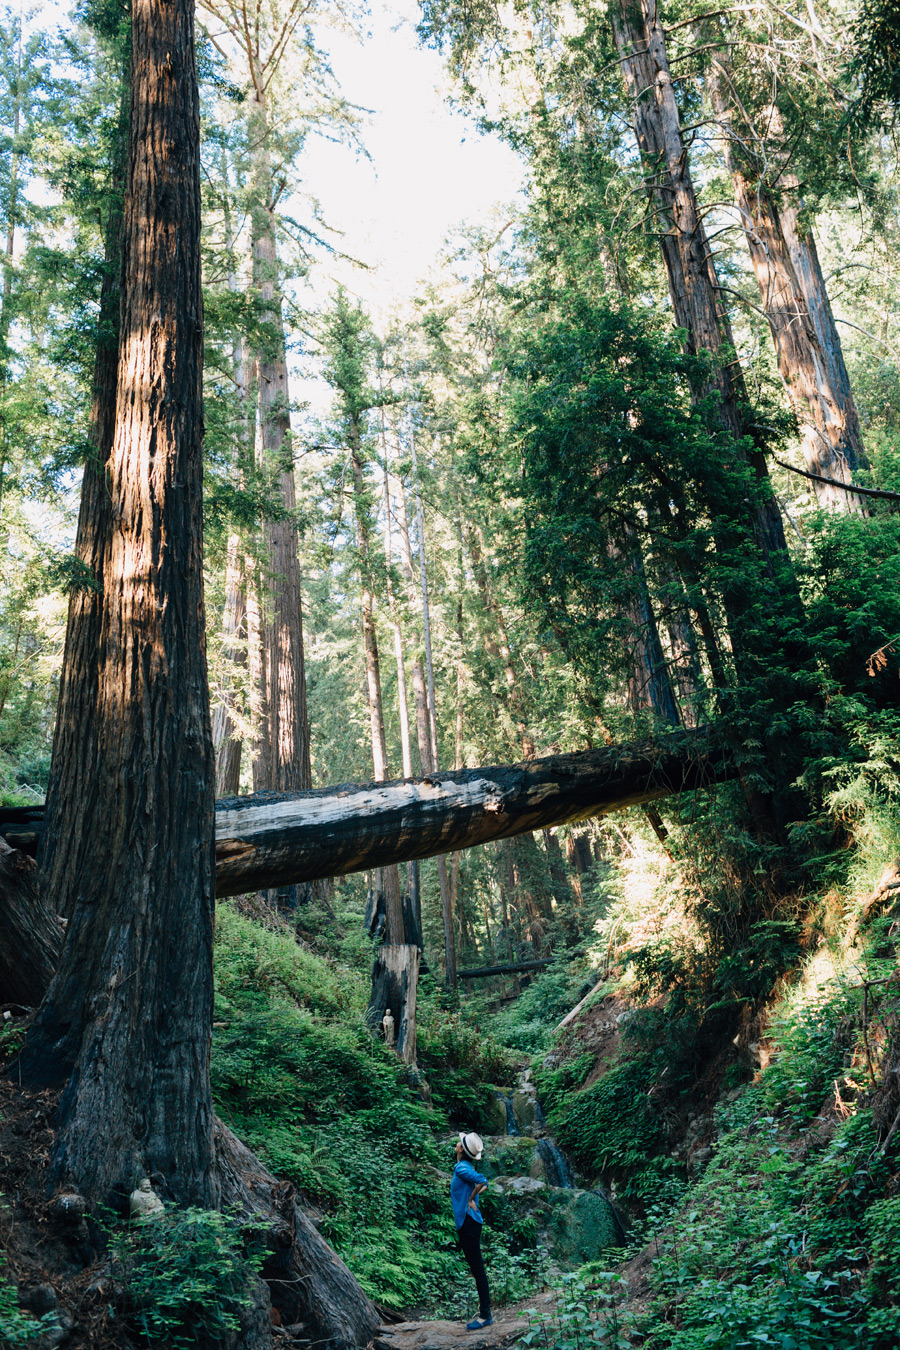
(125, 1026)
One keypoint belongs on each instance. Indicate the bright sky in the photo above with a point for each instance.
(429, 171)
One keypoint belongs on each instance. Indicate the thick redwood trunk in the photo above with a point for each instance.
(32, 932)
(308, 1282)
(68, 815)
(127, 1018)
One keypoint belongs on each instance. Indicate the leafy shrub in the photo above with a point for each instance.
(186, 1276)
(591, 1314)
(612, 1128)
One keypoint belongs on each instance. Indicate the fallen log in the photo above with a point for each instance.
(482, 972)
(274, 839)
(270, 839)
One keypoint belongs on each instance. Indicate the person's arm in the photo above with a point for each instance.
(476, 1190)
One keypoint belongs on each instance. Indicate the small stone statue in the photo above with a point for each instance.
(144, 1203)
(388, 1025)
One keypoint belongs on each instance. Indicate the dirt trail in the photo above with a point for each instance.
(508, 1325)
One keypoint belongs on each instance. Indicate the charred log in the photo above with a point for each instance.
(271, 839)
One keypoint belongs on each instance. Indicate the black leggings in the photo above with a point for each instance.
(470, 1241)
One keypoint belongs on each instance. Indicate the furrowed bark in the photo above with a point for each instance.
(308, 1282)
(693, 285)
(32, 932)
(794, 298)
(68, 814)
(125, 1025)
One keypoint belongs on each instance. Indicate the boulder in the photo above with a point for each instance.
(574, 1225)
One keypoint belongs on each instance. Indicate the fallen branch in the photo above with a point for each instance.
(482, 972)
(836, 482)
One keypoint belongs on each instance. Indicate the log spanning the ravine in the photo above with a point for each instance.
(269, 840)
(277, 839)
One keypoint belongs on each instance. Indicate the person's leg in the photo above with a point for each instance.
(470, 1241)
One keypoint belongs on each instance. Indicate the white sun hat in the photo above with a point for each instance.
(473, 1144)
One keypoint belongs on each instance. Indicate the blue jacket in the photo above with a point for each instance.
(464, 1178)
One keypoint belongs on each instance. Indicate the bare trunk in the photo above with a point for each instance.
(649, 683)
(127, 1018)
(795, 302)
(693, 285)
(287, 761)
(226, 744)
(72, 764)
(258, 677)
(443, 879)
(390, 880)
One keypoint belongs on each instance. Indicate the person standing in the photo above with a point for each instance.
(465, 1188)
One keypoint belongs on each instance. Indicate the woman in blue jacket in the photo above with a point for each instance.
(465, 1188)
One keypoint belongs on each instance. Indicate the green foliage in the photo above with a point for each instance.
(255, 964)
(17, 1327)
(186, 1275)
(461, 1061)
(611, 1128)
(299, 1075)
(591, 1313)
(527, 1024)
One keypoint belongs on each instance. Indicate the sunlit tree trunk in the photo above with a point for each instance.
(450, 977)
(795, 302)
(693, 285)
(67, 813)
(127, 1019)
(227, 745)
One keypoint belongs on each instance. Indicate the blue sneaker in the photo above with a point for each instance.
(478, 1322)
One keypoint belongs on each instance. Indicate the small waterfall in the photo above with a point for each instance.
(511, 1124)
(558, 1173)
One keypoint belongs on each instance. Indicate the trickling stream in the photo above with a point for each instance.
(554, 1160)
(528, 1167)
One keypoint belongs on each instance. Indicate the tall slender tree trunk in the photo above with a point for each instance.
(226, 745)
(496, 639)
(649, 684)
(795, 302)
(450, 965)
(413, 925)
(287, 723)
(127, 1019)
(693, 285)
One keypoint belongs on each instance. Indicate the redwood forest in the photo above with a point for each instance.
(450, 675)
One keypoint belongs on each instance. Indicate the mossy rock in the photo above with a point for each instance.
(574, 1225)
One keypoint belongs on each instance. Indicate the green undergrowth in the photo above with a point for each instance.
(299, 1076)
(790, 1237)
(17, 1327)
